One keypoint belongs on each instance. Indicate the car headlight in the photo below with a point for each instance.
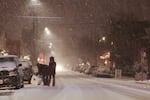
(13, 72)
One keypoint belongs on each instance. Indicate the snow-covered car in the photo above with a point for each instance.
(27, 70)
(103, 71)
(11, 73)
(91, 70)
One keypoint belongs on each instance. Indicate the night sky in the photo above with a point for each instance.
(74, 23)
(74, 13)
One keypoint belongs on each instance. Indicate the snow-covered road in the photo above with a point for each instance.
(75, 86)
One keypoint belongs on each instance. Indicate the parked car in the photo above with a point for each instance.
(103, 71)
(27, 70)
(11, 73)
(91, 70)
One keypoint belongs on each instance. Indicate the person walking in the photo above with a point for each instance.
(52, 67)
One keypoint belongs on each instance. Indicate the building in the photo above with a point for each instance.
(13, 47)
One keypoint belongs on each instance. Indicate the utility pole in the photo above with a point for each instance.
(5, 25)
(35, 33)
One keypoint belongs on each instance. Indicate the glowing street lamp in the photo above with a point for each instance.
(35, 2)
(103, 38)
(47, 31)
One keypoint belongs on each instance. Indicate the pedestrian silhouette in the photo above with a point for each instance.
(52, 67)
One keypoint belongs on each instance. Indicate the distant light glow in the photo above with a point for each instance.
(59, 68)
(101, 57)
(41, 60)
(82, 64)
(106, 62)
(112, 43)
(100, 40)
(105, 55)
(47, 31)
(35, 2)
(50, 45)
(103, 38)
(38, 59)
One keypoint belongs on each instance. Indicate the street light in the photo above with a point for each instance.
(35, 2)
(103, 38)
(47, 31)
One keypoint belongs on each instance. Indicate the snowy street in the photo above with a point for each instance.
(76, 86)
(98, 49)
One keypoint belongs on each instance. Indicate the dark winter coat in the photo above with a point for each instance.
(52, 67)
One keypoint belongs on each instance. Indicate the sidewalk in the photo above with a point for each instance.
(131, 82)
(147, 82)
